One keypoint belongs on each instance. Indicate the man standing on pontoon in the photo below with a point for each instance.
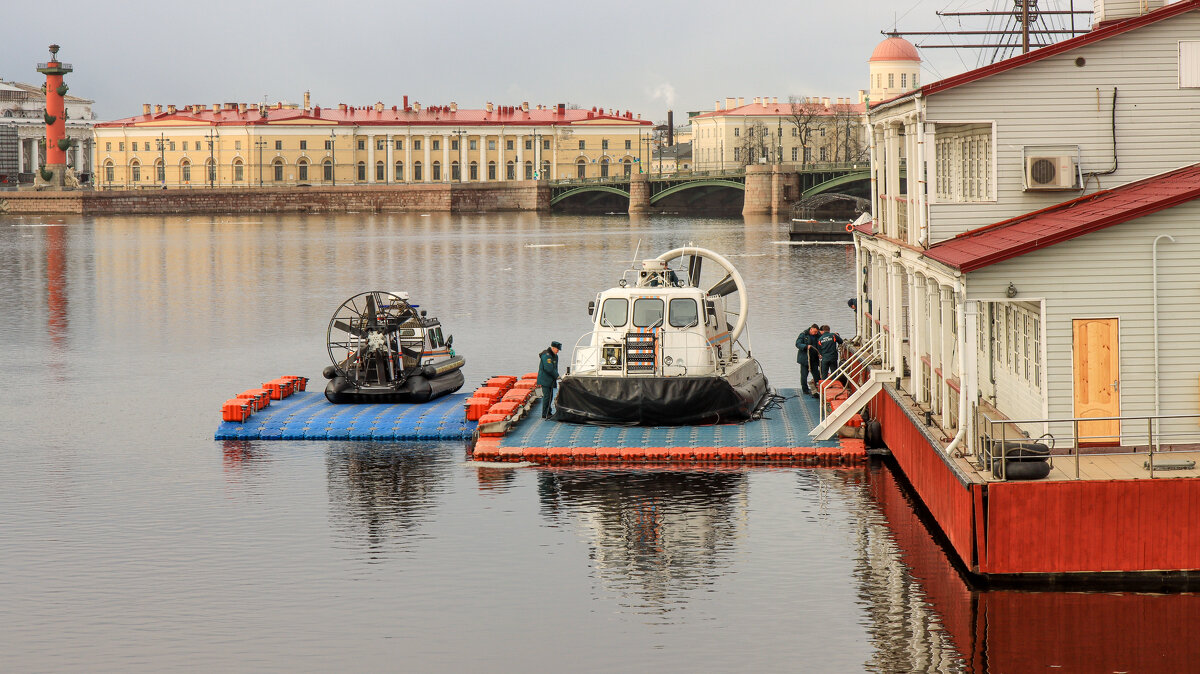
(548, 375)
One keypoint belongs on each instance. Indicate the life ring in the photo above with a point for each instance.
(849, 226)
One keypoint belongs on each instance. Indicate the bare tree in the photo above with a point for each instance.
(849, 145)
(806, 115)
(752, 143)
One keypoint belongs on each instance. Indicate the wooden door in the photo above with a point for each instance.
(1097, 379)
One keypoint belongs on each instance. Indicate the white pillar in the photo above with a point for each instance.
(462, 158)
(553, 156)
(33, 144)
(408, 167)
(20, 155)
(500, 174)
(426, 173)
(520, 158)
(389, 171)
(446, 173)
(370, 158)
(483, 157)
(948, 365)
(916, 317)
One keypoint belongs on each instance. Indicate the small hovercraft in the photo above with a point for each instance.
(384, 351)
(667, 349)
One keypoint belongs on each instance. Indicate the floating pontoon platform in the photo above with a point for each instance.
(307, 415)
(781, 436)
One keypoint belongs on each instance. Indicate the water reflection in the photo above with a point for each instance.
(380, 495)
(652, 535)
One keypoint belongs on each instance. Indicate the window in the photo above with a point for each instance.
(399, 145)
(109, 173)
(510, 171)
(528, 144)
(437, 144)
(795, 153)
(473, 171)
(491, 145)
(279, 145)
(903, 80)
(491, 170)
(185, 171)
(108, 147)
(329, 145)
(795, 132)
(302, 170)
(737, 154)
(614, 313)
(582, 145)
(237, 144)
(508, 145)
(436, 171)
(545, 145)
(416, 143)
(580, 169)
(604, 144)
(362, 144)
(546, 169)
(147, 146)
(172, 146)
(361, 173)
(239, 171)
(684, 312)
(378, 143)
(278, 170)
(121, 147)
(472, 145)
(647, 312)
(453, 143)
(824, 154)
(160, 172)
(380, 171)
(303, 145)
(963, 162)
(627, 167)
(399, 172)
(455, 172)
(327, 170)
(417, 171)
(135, 172)
(891, 80)
(914, 81)
(529, 170)
(736, 132)
(629, 145)
(212, 171)
(604, 168)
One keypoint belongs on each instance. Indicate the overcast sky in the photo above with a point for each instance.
(645, 56)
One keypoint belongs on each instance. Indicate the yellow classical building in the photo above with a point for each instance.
(252, 145)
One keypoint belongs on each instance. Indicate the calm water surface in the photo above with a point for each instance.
(131, 541)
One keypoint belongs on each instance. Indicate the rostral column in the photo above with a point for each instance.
(53, 174)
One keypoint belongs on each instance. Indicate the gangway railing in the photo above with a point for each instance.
(850, 369)
(1001, 441)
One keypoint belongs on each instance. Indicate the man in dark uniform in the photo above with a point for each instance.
(807, 356)
(548, 375)
(827, 344)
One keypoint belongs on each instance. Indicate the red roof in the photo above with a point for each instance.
(895, 49)
(1101, 32)
(769, 109)
(368, 116)
(1017, 236)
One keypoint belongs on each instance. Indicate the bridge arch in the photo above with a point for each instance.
(834, 183)
(694, 184)
(583, 189)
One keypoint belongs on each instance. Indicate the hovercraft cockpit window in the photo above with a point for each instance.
(684, 313)
(647, 312)
(615, 312)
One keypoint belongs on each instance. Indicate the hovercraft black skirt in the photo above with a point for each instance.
(657, 401)
(415, 389)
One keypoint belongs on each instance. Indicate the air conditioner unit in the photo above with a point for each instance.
(1050, 172)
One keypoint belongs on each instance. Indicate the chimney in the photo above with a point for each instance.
(317, 112)
(145, 108)
(216, 107)
(157, 108)
(253, 106)
(307, 100)
(775, 100)
(416, 106)
(453, 106)
(862, 95)
(670, 128)
(562, 108)
(378, 106)
(524, 106)
(717, 105)
(825, 101)
(488, 106)
(730, 102)
(1107, 11)
(741, 101)
(171, 109)
(342, 107)
(241, 108)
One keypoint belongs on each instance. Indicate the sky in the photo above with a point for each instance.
(646, 56)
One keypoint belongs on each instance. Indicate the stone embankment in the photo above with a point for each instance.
(525, 195)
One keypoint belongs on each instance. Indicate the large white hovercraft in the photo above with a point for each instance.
(668, 347)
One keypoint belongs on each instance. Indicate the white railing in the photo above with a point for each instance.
(852, 367)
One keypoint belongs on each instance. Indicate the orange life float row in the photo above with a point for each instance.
(246, 403)
(498, 389)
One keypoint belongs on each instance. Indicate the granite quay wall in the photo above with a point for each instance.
(441, 197)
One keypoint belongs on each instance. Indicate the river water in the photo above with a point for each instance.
(130, 540)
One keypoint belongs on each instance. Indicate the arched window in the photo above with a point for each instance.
(212, 170)
(581, 168)
(437, 171)
(277, 167)
(473, 171)
(455, 172)
(135, 171)
(239, 171)
(627, 167)
(417, 171)
(160, 172)
(604, 167)
(185, 171)
(491, 170)
(362, 171)
(302, 170)
(327, 170)
(545, 170)
(529, 170)
(399, 176)
(510, 171)
(380, 172)
(109, 171)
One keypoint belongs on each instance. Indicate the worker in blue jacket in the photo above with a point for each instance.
(548, 375)
(808, 357)
(827, 345)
